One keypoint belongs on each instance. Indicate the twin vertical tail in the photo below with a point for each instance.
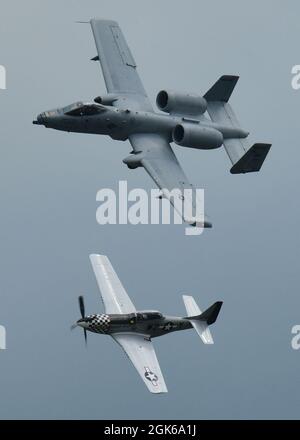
(201, 321)
(244, 159)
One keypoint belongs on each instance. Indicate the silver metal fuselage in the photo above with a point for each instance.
(119, 123)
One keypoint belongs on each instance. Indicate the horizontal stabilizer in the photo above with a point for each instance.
(252, 160)
(203, 331)
(243, 158)
(222, 113)
(222, 89)
(191, 306)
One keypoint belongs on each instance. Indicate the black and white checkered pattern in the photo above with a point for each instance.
(100, 323)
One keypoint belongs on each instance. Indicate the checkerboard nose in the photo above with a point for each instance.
(95, 323)
(100, 323)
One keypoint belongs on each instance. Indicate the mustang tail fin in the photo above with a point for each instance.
(243, 158)
(201, 321)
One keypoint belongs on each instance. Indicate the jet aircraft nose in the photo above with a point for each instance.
(40, 120)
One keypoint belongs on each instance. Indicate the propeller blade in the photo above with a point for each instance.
(82, 311)
(81, 306)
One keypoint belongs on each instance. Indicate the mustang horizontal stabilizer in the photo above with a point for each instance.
(200, 321)
(243, 158)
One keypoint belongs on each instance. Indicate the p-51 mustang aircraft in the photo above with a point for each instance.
(126, 113)
(133, 330)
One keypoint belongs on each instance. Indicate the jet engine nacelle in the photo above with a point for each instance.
(181, 103)
(106, 99)
(195, 136)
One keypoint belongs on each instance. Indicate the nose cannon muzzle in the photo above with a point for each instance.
(40, 120)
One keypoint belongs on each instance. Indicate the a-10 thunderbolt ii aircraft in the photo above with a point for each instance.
(126, 113)
(133, 330)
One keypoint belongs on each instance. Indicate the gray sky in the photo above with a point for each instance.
(49, 181)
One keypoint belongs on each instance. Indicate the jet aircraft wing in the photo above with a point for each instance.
(157, 157)
(122, 79)
(118, 66)
(114, 296)
(141, 352)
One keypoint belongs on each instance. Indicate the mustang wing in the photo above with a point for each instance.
(140, 351)
(118, 66)
(157, 157)
(113, 294)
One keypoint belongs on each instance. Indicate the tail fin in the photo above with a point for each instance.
(243, 158)
(222, 89)
(200, 321)
(252, 160)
